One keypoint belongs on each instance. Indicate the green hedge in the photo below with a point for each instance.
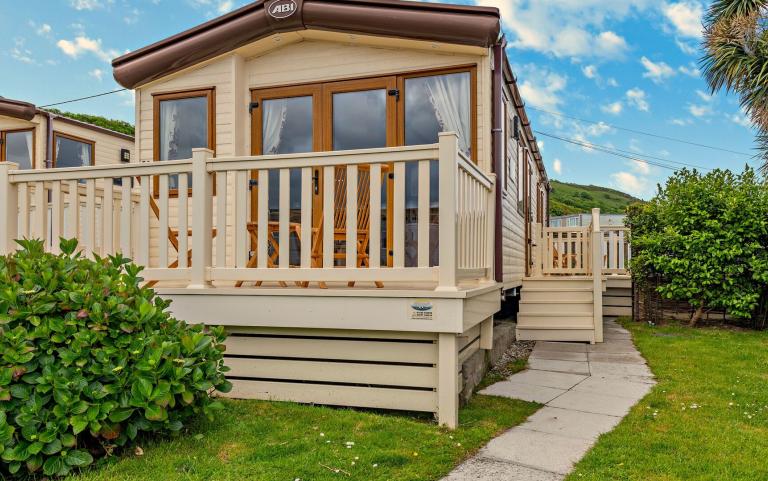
(89, 359)
(706, 237)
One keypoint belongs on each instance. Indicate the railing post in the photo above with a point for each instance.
(448, 171)
(202, 219)
(538, 261)
(597, 275)
(9, 209)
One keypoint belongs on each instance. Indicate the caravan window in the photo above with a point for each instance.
(18, 146)
(183, 121)
(71, 151)
(439, 103)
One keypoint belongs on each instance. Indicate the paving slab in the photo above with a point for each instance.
(616, 345)
(544, 451)
(572, 424)
(616, 369)
(561, 346)
(590, 402)
(526, 392)
(559, 355)
(485, 469)
(558, 380)
(586, 389)
(614, 386)
(574, 367)
(616, 357)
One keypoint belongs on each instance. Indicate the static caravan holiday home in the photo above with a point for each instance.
(349, 186)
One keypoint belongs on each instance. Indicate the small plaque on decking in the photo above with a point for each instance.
(421, 310)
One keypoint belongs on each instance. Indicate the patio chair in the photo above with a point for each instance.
(340, 222)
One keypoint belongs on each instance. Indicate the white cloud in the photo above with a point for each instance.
(43, 30)
(741, 119)
(612, 82)
(614, 108)
(82, 44)
(681, 122)
(704, 96)
(641, 167)
(686, 17)
(86, 4)
(590, 71)
(541, 87)
(657, 72)
(215, 7)
(630, 183)
(637, 98)
(686, 48)
(691, 70)
(96, 73)
(610, 45)
(21, 53)
(557, 166)
(567, 28)
(700, 110)
(132, 17)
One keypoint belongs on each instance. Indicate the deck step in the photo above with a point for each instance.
(557, 309)
(547, 296)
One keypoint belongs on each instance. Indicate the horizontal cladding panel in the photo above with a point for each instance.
(334, 372)
(380, 398)
(337, 349)
(416, 336)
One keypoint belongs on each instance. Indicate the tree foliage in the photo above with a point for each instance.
(707, 237)
(736, 58)
(89, 359)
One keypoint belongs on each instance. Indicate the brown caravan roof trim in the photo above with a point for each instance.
(17, 109)
(456, 24)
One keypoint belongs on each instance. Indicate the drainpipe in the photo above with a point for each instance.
(497, 154)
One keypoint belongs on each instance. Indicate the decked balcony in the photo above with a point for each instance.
(209, 222)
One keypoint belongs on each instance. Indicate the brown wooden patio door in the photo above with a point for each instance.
(346, 115)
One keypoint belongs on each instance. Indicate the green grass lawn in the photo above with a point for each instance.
(706, 419)
(267, 441)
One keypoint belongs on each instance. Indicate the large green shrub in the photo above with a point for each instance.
(705, 236)
(89, 359)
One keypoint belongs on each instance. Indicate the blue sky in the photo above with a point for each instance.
(631, 63)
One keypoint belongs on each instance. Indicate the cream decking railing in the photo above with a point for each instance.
(570, 250)
(216, 246)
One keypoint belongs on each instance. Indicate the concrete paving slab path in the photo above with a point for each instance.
(583, 398)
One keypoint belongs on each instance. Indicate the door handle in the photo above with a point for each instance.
(316, 181)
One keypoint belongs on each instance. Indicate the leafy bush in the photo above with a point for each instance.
(88, 360)
(706, 237)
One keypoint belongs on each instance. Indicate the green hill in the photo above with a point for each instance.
(568, 198)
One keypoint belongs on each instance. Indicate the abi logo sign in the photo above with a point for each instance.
(282, 8)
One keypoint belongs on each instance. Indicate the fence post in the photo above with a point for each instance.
(202, 219)
(9, 209)
(448, 171)
(597, 275)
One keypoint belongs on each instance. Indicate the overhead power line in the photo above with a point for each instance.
(641, 132)
(83, 98)
(619, 153)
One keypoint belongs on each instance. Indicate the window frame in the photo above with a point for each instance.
(4, 144)
(157, 97)
(74, 138)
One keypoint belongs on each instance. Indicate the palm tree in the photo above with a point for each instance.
(736, 59)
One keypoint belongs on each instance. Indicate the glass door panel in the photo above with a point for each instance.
(361, 115)
(284, 123)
